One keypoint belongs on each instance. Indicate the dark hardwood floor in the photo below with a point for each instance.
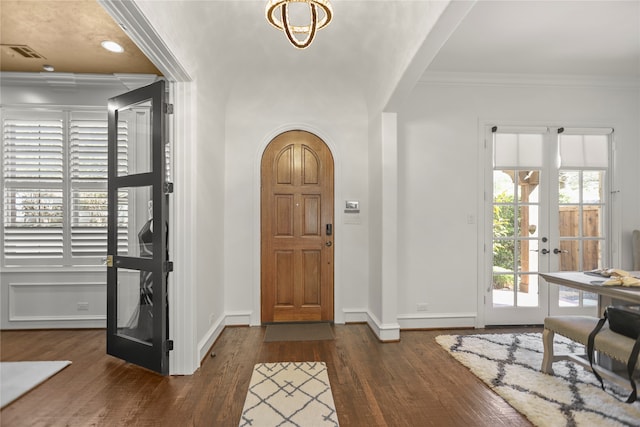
(410, 383)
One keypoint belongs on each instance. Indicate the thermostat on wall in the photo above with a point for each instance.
(352, 207)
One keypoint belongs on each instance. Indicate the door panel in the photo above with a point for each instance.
(283, 215)
(137, 320)
(518, 250)
(296, 252)
(582, 228)
(311, 265)
(310, 167)
(311, 215)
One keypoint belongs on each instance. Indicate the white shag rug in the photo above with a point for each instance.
(510, 365)
(289, 394)
(17, 378)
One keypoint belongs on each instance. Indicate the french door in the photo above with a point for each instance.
(548, 211)
(137, 260)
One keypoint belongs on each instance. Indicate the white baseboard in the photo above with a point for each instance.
(354, 315)
(204, 345)
(384, 332)
(237, 318)
(437, 320)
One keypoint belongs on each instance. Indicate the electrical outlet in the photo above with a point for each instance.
(422, 306)
(83, 306)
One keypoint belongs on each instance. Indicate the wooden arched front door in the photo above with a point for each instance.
(297, 229)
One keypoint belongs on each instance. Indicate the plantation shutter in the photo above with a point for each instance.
(33, 173)
(54, 184)
(88, 174)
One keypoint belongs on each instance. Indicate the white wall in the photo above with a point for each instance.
(173, 21)
(439, 145)
(375, 226)
(253, 120)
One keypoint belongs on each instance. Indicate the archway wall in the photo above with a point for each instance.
(249, 129)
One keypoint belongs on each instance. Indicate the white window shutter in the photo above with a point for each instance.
(88, 170)
(54, 183)
(33, 174)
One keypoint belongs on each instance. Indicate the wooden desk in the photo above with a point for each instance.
(606, 297)
(589, 283)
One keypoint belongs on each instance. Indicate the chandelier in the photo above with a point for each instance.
(278, 15)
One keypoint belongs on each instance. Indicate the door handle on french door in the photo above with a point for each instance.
(544, 251)
(560, 251)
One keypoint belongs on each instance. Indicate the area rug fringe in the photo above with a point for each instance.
(510, 365)
(289, 394)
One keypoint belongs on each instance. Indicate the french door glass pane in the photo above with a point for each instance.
(581, 228)
(135, 304)
(515, 237)
(568, 260)
(134, 213)
(593, 186)
(134, 132)
(527, 295)
(503, 289)
(591, 254)
(572, 298)
(568, 297)
(581, 219)
(568, 187)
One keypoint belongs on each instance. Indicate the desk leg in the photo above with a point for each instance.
(603, 303)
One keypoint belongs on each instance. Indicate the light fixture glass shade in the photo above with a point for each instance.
(278, 15)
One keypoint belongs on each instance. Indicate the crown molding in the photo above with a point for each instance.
(507, 79)
(75, 81)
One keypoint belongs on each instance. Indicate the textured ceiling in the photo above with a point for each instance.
(67, 34)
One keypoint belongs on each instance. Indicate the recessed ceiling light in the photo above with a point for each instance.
(48, 68)
(112, 46)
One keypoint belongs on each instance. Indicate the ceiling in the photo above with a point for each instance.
(67, 36)
(596, 38)
(369, 43)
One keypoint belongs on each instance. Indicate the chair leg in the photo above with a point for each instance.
(547, 358)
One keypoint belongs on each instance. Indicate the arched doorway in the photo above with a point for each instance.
(297, 233)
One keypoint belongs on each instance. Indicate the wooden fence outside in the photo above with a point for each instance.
(570, 228)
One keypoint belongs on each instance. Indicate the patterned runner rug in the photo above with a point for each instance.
(510, 365)
(289, 394)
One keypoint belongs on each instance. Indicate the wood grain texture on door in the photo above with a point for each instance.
(296, 247)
